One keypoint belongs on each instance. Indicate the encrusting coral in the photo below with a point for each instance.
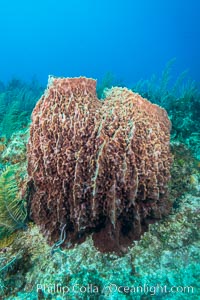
(98, 167)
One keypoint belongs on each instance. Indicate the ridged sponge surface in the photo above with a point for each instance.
(97, 167)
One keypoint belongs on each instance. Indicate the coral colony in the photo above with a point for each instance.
(99, 167)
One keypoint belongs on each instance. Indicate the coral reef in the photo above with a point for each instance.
(97, 166)
(168, 254)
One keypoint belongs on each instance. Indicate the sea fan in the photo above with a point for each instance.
(13, 212)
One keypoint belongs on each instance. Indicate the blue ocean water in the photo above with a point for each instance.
(132, 39)
(153, 48)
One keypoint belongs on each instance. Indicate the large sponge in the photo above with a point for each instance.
(99, 167)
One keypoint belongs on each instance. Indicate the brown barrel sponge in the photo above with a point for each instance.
(97, 167)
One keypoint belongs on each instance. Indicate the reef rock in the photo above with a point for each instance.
(99, 167)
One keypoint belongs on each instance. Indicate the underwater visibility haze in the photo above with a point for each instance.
(132, 39)
(99, 149)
